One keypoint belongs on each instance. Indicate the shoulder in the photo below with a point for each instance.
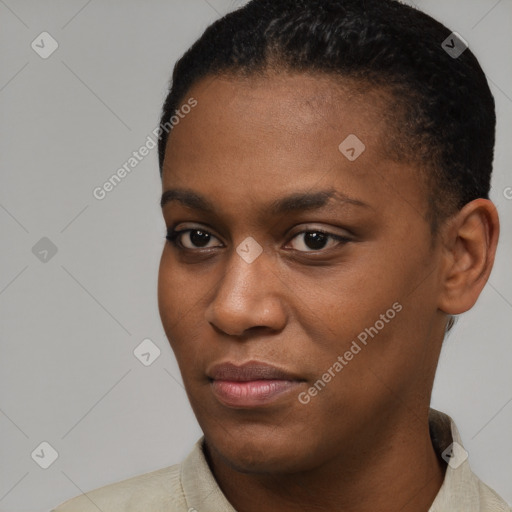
(157, 491)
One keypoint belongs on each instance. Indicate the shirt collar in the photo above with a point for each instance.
(461, 488)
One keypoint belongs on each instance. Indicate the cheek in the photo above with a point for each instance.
(178, 290)
(173, 300)
(369, 317)
(167, 293)
(345, 300)
(181, 303)
(387, 356)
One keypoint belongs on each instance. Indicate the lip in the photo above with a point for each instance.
(250, 384)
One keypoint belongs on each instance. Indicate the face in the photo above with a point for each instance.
(300, 297)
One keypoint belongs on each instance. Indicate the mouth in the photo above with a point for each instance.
(251, 384)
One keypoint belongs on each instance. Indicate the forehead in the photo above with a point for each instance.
(292, 108)
(265, 136)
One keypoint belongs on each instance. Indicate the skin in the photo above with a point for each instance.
(362, 443)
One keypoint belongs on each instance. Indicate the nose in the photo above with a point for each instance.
(248, 296)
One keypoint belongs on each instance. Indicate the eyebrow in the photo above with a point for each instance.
(298, 201)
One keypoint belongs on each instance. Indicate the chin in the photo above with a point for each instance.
(264, 452)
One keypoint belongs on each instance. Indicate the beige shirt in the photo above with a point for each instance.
(191, 486)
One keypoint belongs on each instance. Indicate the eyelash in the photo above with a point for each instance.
(173, 237)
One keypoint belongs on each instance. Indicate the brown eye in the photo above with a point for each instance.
(194, 239)
(315, 240)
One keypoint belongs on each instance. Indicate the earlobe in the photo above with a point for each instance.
(471, 239)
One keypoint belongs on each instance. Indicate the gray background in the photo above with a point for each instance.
(68, 375)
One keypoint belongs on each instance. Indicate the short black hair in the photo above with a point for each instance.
(441, 112)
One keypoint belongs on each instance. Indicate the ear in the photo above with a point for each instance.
(470, 239)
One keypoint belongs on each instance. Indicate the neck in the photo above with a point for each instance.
(398, 471)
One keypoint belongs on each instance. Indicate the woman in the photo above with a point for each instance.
(325, 173)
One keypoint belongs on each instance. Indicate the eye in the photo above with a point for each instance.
(315, 240)
(196, 238)
(309, 241)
